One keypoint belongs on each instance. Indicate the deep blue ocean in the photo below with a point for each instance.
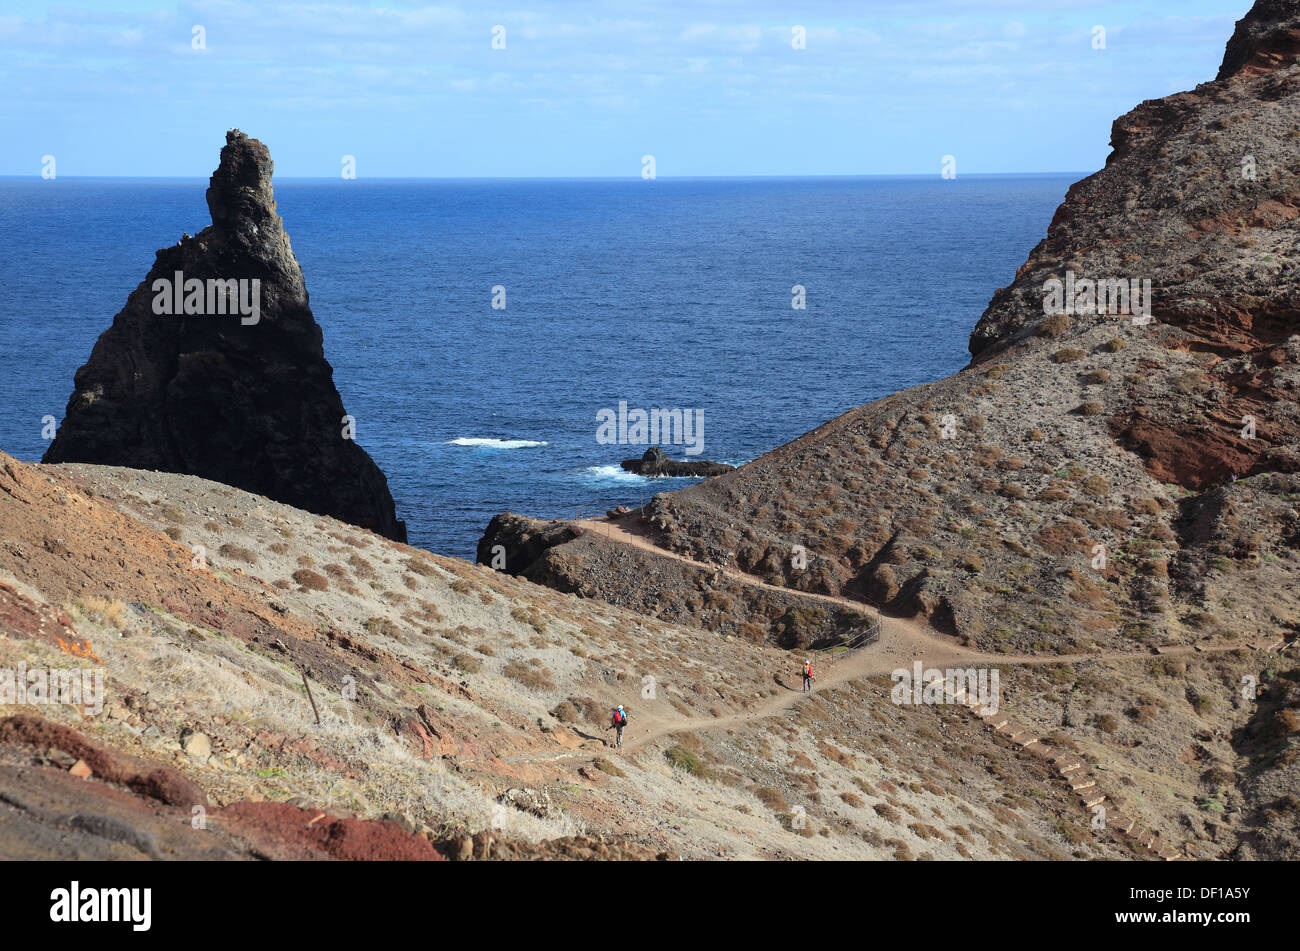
(673, 293)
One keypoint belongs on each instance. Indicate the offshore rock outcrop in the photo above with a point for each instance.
(655, 462)
(215, 367)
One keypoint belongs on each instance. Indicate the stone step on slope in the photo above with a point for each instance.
(1119, 821)
(1082, 783)
(1091, 797)
(1040, 750)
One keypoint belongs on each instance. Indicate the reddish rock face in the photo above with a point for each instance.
(215, 367)
(162, 783)
(1265, 39)
(154, 801)
(1201, 197)
(1193, 458)
(289, 832)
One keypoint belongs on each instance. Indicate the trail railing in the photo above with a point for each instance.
(586, 511)
(857, 637)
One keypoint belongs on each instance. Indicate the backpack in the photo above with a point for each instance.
(620, 719)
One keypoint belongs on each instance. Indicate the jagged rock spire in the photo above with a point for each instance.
(215, 367)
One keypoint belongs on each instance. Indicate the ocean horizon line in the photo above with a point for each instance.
(557, 178)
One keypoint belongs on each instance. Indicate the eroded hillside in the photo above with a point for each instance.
(1119, 474)
(461, 709)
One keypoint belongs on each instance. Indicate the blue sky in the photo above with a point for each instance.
(709, 87)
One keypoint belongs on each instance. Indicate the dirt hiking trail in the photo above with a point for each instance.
(902, 642)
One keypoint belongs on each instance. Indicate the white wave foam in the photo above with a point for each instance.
(619, 474)
(614, 474)
(488, 443)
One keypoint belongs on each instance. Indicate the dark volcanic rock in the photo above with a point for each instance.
(515, 544)
(240, 395)
(656, 463)
(1265, 38)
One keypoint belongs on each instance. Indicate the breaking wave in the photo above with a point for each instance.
(489, 443)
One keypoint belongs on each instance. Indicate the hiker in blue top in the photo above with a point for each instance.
(618, 720)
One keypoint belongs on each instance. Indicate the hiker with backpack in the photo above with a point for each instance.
(618, 720)
(807, 676)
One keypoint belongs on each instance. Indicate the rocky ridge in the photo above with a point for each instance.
(1090, 478)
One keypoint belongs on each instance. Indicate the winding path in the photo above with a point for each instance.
(902, 642)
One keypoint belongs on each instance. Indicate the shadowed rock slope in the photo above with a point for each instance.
(246, 397)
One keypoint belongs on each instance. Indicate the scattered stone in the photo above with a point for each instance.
(534, 801)
(61, 758)
(116, 710)
(483, 842)
(197, 746)
(464, 849)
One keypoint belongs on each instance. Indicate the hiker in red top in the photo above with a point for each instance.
(618, 720)
(807, 676)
